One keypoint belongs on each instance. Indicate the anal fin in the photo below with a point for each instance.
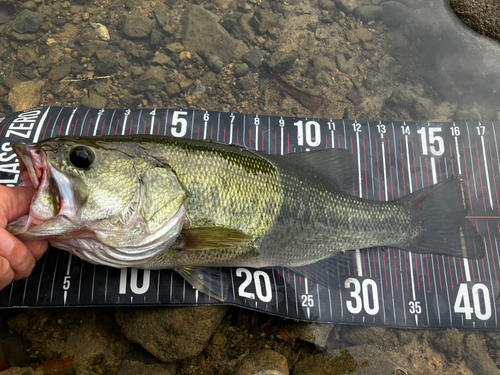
(209, 280)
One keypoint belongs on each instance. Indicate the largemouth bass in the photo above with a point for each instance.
(195, 206)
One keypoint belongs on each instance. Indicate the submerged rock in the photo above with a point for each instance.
(171, 334)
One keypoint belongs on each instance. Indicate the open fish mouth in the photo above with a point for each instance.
(35, 171)
(32, 163)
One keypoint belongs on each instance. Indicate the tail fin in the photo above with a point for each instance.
(441, 211)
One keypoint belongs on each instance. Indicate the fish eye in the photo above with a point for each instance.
(81, 157)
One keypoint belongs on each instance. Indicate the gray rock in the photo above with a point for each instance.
(198, 92)
(262, 361)
(405, 102)
(344, 65)
(359, 360)
(154, 76)
(106, 66)
(202, 33)
(348, 6)
(264, 20)
(476, 355)
(215, 64)
(173, 89)
(369, 13)
(94, 101)
(156, 37)
(327, 5)
(25, 95)
(141, 362)
(137, 26)
(241, 70)
(321, 64)
(245, 85)
(28, 22)
(173, 333)
(209, 79)
(282, 61)
(163, 16)
(253, 59)
(358, 335)
(395, 13)
(323, 79)
(313, 332)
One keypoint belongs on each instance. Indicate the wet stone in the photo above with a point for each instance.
(245, 85)
(241, 70)
(262, 362)
(282, 61)
(264, 20)
(327, 4)
(95, 101)
(137, 26)
(173, 333)
(138, 361)
(175, 47)
(160, 59)
(476, 355)
(395, 13)
(347, 6)
(154, 76)
(156, 37)
(28, 22)
(344, 65)
(253, 59)
(25, 95)
(59, 72)
(369, 13)
(215, 64)
(106, 66)
(209, 79)
(314, 333)
(323, 79)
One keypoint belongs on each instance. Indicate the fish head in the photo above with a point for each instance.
(109, 204)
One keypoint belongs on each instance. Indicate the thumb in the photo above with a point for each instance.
(14, 203)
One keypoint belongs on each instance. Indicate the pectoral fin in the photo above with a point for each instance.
(212, 238)
(208, 280)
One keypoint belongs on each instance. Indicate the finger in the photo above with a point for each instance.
(16, 253)
(14, 202)
(37, 247)
(6, 273)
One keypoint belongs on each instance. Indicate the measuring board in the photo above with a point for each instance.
(386, 287)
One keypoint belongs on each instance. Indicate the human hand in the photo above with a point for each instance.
(17, 258)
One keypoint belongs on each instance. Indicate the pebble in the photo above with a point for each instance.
(245, 85)
(241, 70)
(101, 31)
(137, 26)
(262, 361)
(254, 59)
(215, 64)
(28, 22)
(171, 334)
(282, 61)
(25, 95)
(394, 13)
(175, 47)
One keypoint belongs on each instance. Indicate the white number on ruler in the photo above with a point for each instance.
(307, 300)
(281, 122)
(381, 128)
(206, 116)
(455, 131)
(433, 138)
(368, 285)
(181, 130)
(127, 112)
(313, 133)
(153, 112)
(262, 285)
(331, 125)
(256, 121)
(66, 282)
(357, 127)
(134, 287)
(405, 129)
(480, 129)
(462, 303)
(415, 307)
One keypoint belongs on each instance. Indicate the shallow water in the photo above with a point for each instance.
(400, 61)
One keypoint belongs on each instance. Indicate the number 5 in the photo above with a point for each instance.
(179, 121)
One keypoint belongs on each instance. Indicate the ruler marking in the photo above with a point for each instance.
(471, 161)
(424, 291)
(486, 171)
(450, 308)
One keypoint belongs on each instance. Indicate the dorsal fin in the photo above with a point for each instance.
(336, 164)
